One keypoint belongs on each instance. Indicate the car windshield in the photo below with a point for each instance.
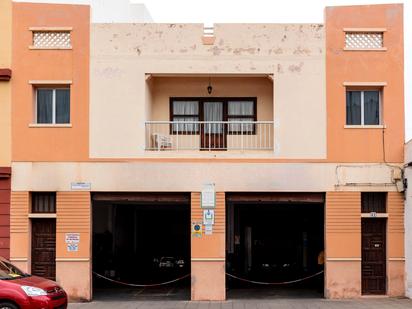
(9, 271)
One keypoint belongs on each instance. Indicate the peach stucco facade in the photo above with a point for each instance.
(365, 145)
(5, 124)
(50, 67)
(123, 75)
(5, 87)
(290, 57)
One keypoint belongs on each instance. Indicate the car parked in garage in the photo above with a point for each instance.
(19, 290)
(169, 262)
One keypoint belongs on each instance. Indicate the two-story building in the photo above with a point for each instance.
(268, 152)
(5, 125)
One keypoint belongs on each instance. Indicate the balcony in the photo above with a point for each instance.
(231, 135)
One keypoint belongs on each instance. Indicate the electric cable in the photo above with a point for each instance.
(140, 285)
(274, 283)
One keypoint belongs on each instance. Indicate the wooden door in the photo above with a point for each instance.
(43, 254)
(213, 135)
(373, 256)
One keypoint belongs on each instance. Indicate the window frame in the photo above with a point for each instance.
(254, 116)
(45, 194)
(172, 115)
(225, 101)
(362, 91)
(376, 198)
(68, 30)
(348, 31)
(53, 88)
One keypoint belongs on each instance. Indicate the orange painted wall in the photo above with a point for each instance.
(209, 246)
(364, 145)
(208, 253)
(73, 211)
(19, 225)
(343, 244)
(50, 144)
(395, 244)
(343, 225)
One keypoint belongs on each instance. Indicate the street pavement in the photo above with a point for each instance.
(177, 296)
(309, 303)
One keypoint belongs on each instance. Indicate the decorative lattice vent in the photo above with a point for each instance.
(52, 39)
(364, 40)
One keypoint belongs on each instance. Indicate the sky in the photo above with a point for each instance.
(267, 11)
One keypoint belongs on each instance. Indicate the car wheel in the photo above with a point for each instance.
(8, 306)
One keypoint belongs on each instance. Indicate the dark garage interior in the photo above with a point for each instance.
(141, 239)
(275, 238)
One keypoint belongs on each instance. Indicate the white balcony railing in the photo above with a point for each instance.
(208, 135)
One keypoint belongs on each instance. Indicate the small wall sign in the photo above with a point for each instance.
(72, 241)
(81, 186)
(196, 229)
(72, 247)
(208, 196)
(208, 229)
(72, 238)
(208, 216)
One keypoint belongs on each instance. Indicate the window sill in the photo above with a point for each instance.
(42, 215)
(375, 215)
(50, 125)
(365, 84)
(50, 82)
(50, 28)
(50, 48)
(379, 126)
(364, 30)
(365, 49)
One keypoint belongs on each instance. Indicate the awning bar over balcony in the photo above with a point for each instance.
(208, 135)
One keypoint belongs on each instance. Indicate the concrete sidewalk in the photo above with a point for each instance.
(381, 303)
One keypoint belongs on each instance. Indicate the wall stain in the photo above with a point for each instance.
(216, 50)
(301, 51)
(276, 51)
(239, 51)
(295, 68)
(279, 68)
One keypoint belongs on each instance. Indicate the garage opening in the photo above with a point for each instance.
(275, 245)
(141, 246)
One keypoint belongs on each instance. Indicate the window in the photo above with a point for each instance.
(373, 202)
(53, 105)
(241, 111)
(363, 40)
(185, 111)
(43, 202)
(52, 40)
(214, 111)
(363, 107)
